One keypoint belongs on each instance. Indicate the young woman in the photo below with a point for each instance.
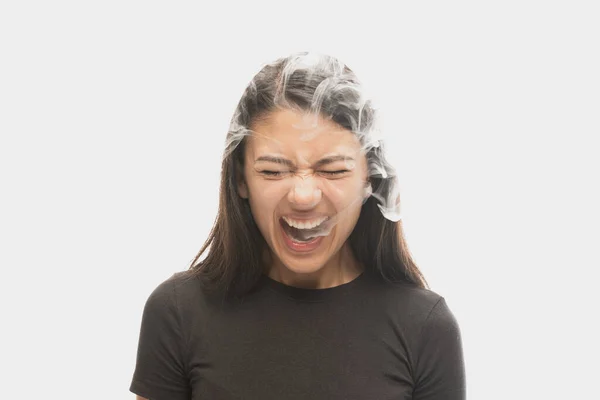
(305, 288)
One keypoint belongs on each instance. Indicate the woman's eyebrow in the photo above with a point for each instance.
(332, 159)
(273, 159)
(320, 163)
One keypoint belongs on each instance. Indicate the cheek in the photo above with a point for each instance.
(345, 193)
(268, 194)
(264, 200)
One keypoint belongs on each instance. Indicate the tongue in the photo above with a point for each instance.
(301, 235)
(298, 235)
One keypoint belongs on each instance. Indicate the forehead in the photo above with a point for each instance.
(297, 134)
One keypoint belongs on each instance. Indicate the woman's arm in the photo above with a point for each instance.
(161, 370)
(440, 371)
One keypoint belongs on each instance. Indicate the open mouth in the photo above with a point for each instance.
(303, 235)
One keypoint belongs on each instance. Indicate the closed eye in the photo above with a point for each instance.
(278, 174)
(334, 173)
(274, 174)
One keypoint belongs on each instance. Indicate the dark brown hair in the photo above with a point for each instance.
(233, 261)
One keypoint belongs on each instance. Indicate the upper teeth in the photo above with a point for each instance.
(304, 224)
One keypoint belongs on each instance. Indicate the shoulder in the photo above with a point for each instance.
(412, 300)
(179, 282)
(416, 310)
(172, 292)
(423, 316)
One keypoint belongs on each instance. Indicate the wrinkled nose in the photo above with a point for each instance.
(304, 194)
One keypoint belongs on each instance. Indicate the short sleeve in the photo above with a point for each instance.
(440, 370)
(161, 371)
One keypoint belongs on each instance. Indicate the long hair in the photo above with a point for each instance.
(234, 249)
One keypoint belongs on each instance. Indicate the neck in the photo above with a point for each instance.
(339, 269)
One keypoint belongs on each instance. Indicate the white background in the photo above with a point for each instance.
(113, 116)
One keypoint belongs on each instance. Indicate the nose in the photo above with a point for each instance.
(304, 194)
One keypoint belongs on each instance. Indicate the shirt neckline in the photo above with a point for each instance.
(312, 295)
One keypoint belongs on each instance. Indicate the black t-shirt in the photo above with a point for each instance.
(364, 340)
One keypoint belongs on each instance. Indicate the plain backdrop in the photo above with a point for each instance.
(113, 116)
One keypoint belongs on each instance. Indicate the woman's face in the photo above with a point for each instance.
(305, 179)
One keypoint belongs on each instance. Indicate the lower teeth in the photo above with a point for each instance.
(301, 238)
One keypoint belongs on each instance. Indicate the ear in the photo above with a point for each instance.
(242, 187)
(368, 191)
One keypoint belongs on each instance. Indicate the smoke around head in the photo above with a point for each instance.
(319, 85)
